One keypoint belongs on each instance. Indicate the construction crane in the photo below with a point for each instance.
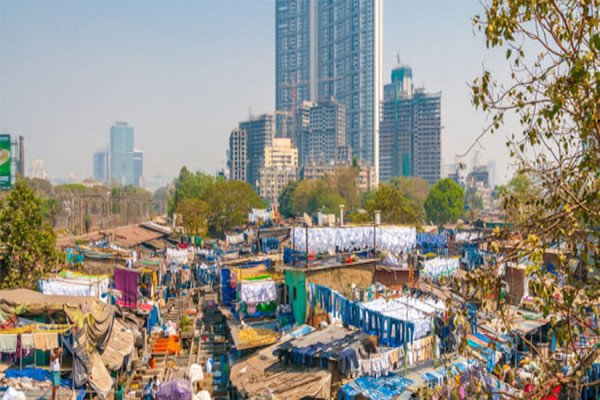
(285, 114)
(293, 85)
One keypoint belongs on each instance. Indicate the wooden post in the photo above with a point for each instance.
(21, 356)
(306, 245)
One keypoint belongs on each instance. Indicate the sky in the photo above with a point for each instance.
(184, 73)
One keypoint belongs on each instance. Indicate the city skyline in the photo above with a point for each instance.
(61, 83)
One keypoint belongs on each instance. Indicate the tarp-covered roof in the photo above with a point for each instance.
(262, 371)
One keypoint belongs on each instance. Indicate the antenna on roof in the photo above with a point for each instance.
(398, 58)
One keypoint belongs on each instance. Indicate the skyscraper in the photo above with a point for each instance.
(259, 134)
(138, 168)
(101, 166)
(333, 48)
(238, 161)
(121, 154)
(410, 130)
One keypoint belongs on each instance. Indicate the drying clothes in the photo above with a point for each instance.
(27, 341)
(393, 239)
(126, 281)
(8, 343)
(439, 268)
(467, 236)
(51, 341)
(232, 240)
(176, 256)
(258, 291)
(39, 341)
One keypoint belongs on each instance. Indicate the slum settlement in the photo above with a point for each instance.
(272, 310)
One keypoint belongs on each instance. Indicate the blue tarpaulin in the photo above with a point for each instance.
(36, 374)
(384, 388)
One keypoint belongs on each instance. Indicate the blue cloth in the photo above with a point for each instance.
(55, 378)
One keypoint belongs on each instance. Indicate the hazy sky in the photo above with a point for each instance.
(184, 73)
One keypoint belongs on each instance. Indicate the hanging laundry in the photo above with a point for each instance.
(39, 341)
(126, 281)
(8, 343)
(27, 341)
(51, 340)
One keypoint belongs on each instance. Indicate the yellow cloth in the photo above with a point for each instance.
(39, 341)
(51, 341)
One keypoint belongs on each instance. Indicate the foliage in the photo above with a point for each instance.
(553, 51)
(445, 202)
(219, 205)
(414, 189)
(394, 206)
(324, 194)
(286, 198)
(28, 241)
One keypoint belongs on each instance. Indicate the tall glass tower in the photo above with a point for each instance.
(121, 154)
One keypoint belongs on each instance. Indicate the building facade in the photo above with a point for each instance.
(280, 166)
(324, 134)
(138, 168)
(260, 132)
(326, 49)
(38, 169)
(238, 160)
(410, 130)
(121, 154)
(101, 173)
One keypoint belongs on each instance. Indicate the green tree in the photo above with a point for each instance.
(553, 51)
(28, 241)
(414, 189)
(445, 202)
(286, 199)
(194, 214)
(229, 204)
(473, 199)
(394, 207)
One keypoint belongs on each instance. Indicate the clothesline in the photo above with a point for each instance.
(38, 328)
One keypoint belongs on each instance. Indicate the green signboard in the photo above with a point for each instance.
(5, 182)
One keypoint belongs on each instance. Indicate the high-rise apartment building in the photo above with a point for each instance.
(410, 130)
(333, 48)
(238, 160)
(121, 154)
(319, 141)
(101, 166)
(280, 165)
(138, 168)
(260, 132)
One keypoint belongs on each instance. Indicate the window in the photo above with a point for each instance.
(294, 297)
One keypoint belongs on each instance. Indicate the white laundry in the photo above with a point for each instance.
(394, 239)
(439, 267)
(258, 292)
(177, 256)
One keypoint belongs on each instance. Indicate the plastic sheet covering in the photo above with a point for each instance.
(120, 345)
(177, 389)
(37, 374)
(14, 394)
(93, 323)
(100, 380)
